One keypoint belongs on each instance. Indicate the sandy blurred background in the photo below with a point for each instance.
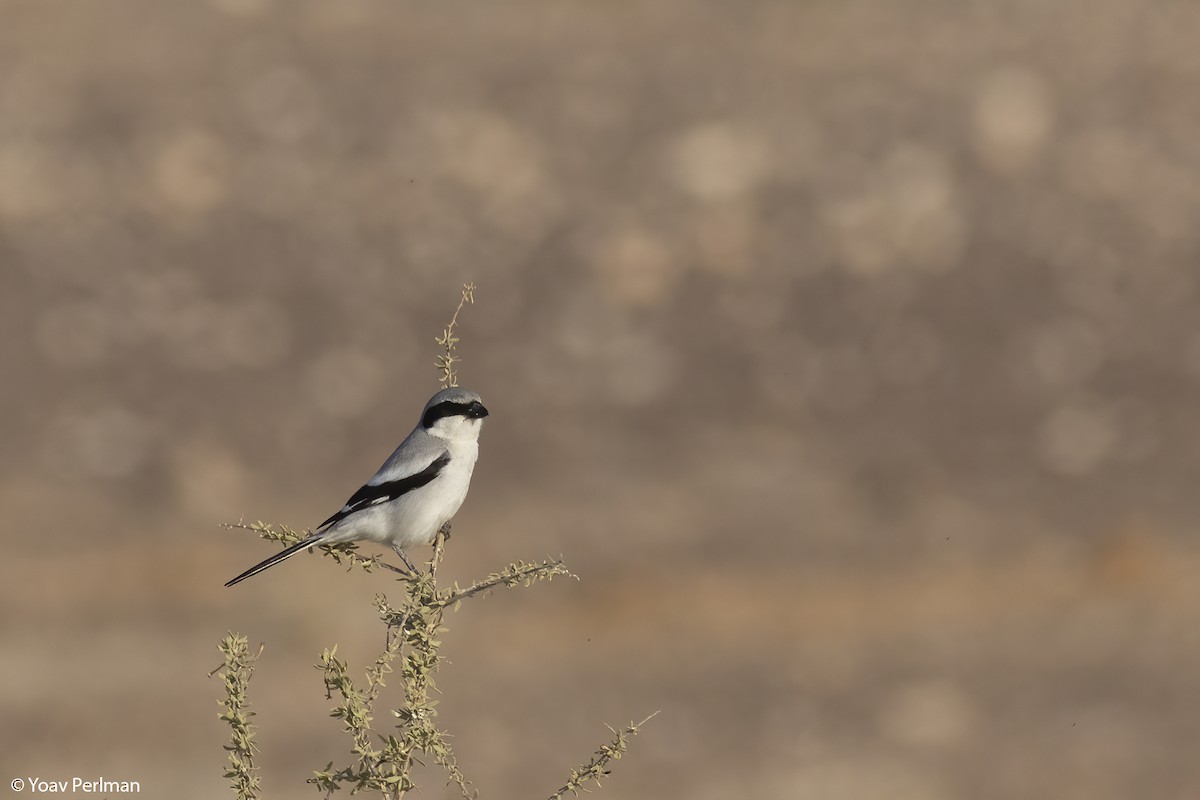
(847, 350)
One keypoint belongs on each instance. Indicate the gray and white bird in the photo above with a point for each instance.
(416, 491)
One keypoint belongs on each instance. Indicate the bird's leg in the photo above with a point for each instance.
(439, 547)
(411, 569)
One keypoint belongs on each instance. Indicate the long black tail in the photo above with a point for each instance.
(275, 559)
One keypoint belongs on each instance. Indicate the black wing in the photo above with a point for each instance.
(370, 495)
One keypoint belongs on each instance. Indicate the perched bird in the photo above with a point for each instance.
(416, 491)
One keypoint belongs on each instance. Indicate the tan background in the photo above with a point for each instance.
(847, 350)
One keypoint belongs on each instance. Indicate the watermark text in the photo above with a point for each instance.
(76, 785)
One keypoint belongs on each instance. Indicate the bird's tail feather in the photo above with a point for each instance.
(275, 559)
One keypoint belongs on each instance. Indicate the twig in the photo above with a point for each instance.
(598, 765)
(342, 553)
(447, 359)
(515, 574)
(238, 666)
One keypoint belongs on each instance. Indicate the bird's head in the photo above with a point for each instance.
(455, 414)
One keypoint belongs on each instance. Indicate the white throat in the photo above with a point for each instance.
(456, 431)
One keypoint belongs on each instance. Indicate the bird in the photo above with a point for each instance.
(416, 491)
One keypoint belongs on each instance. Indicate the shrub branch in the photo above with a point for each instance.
(341, 553)
(447, 359)
(598, 765)
(235, 672)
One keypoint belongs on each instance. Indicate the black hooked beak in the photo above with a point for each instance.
(476, 410)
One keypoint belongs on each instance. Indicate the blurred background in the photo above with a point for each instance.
(848, 351)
